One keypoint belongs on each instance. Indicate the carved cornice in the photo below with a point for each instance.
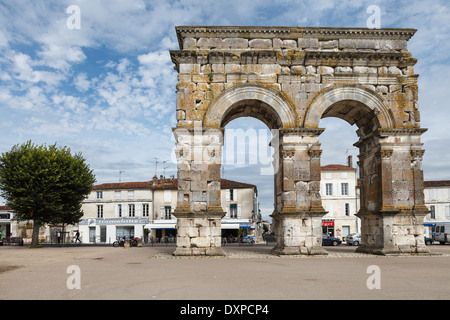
(321, 33)
(358, 58)
(314, 58)
(401, 131)
(302, 131)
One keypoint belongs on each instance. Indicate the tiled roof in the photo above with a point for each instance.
(123, 185)
(165, 184)
(437, 183)
(5, 208)
(336, 167)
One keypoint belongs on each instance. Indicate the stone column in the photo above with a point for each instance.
(387, 203)
(198, 210)
(299, 211)
(392, 218)
(419, 209)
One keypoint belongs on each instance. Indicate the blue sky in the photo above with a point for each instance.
(107, 90)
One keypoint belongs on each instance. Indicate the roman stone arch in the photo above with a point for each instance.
(350, 96)
(290, 78)
(254, 100)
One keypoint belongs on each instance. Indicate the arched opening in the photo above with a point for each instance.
(247, 159)
(340, 177)
(349, 185)
(248, 155)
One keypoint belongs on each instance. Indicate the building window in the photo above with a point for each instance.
(329, 189)
(100, 211)
(119, 210)
(233, 210)
(433, 194)
(145, 209)
(167, 213)
(231, 195)
(131, 210)
(99, 194)
(432, 212)
(347, 209)
(344, 189)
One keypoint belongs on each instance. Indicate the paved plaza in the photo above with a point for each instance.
(247, 272)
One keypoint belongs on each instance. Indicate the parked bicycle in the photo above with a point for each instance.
(121, 242)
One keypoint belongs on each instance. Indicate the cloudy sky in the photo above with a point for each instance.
(107, 88)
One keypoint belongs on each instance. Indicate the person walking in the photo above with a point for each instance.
(77, 236)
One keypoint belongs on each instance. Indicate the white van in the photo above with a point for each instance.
(442, 232)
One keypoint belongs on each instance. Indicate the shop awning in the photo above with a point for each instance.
(230, 226)
(160, 226)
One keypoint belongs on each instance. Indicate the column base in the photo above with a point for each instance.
(199, 233)
(392, 232)
(298, 233)
(199, 252)
(280, 251)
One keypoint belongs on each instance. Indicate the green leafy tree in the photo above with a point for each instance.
(45, 184)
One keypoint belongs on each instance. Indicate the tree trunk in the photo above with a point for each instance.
(35, 235)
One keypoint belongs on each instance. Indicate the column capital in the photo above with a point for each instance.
(315, 153)
(386, 153)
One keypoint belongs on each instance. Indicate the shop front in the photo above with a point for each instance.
(234, 228)
(161, 231)
(109, 230)
(328, 227)
(5, 223)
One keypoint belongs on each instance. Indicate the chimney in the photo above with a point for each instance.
(155, 180)
(350, 162)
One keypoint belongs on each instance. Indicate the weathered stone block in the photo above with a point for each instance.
(298, 69)
(325, 70)
(308, 43)
(235, 43)
(260, 43)
(189, 43)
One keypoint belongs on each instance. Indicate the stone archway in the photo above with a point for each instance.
(254, 100)
(290, 78)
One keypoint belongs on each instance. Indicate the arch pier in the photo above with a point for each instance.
(290, 78)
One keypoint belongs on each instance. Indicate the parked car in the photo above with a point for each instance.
(441, 230)
(354, 239)
(330, 241)
(428, 241)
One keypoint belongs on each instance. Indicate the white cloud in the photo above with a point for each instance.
(81, 82)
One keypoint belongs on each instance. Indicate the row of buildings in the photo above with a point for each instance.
(144, 209)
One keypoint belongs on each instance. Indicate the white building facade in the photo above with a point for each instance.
(340, 198)
(113, 210)
(437, 199)
(144, 210)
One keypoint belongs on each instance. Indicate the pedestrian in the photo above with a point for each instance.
(77, 236)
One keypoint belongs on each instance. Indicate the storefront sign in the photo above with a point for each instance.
(327, 223)
(118, 221)
(5, 216)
